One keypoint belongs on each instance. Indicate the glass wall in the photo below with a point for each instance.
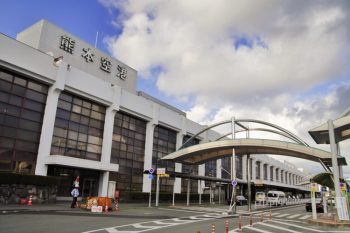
(282, 180)
(164, 143)
(277, 174)
(265, 171)
(128, 150)
(271, 173)
(22, 105)
(78, 128)
(193, 169)
(226, 165)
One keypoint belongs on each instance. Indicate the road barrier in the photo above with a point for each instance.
(250, 220)
(226, 226)
(240, 223)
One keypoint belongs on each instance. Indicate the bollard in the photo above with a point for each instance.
(226, 226)
(270, 215)
(251, 220)
(30, 201)
(262, 217)
(106, 208)
(240, 223)
(213, 228)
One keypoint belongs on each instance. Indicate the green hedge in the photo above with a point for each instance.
(27, 179)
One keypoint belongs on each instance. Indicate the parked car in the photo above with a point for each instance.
(240, 200)
(319, 205)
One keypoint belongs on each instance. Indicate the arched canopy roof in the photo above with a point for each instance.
(201, 153)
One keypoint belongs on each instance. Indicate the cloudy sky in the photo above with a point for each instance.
(284, 62)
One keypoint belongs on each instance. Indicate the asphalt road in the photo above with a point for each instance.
(158, 220)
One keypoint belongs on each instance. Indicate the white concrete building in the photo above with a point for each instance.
(68, 109)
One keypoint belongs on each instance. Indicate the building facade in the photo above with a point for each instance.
(68, 109)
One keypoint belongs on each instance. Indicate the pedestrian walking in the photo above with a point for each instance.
(75, 194)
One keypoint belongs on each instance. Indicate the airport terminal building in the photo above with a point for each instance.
(68, 109)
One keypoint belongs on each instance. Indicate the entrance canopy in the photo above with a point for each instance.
(341, 131)
(198, 154)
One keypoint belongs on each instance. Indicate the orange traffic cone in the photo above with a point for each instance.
(240, 223)
(30, 201)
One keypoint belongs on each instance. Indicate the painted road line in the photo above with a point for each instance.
(282, 215)
(293, 216)
(112, 230)
(297, 226)
(258, 230)
(274, 214)
(277, 227)
(165, 223)
(190, 211)
(305, 217)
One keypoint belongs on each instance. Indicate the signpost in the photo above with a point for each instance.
(314, 189)
(234, 183)
(151, 177)
(160, 173)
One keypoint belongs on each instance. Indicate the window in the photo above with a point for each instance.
(76, 133)
(127, 151)
(22, 104)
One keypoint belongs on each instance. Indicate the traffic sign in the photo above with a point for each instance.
(150, 176)
(342, 186)
(324, 189)
(234, 183)
(314, 187)
(160, 171)
(151, 170)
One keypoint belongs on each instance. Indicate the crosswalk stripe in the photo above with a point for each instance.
(293, 216)
(282, 215)
(138, 225)
(305, 217)
(273, 214)
(297, 226)
(258, 230)
(277, 227)
(113, 230)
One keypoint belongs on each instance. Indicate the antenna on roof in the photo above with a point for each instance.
(96, 39)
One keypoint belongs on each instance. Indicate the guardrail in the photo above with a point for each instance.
(291, 201)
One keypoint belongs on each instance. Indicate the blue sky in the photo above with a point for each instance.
(276, 61)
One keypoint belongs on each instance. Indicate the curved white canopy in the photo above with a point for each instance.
(201, 153)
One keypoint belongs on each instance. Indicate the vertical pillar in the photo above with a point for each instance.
(253, 178)
(147, 183)
(261, 171)
(106, 149)
(244, 168)
(249, 183)
(268, 172)
(219, 175)
(49, 120)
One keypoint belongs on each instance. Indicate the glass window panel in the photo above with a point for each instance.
(85, 111)
(73, 135)
(6, 76)
(95, 132)
(20, 81)
(77, 101)
(37, 87)
(31, 115)
(94, 148)
(84, 120)
(66, 97)
(12, 110)
(73, 126)
(76, 108)
(61, 123)
(60, 132)
(96, 124)
(5, 86)
(75, 117)
(18, 90)
(11, 121)
(60, 142)
(86, 104)
(95, 140)
(83, 129)
(7, 142)
(26, 146)
(4, 97)
(27, 135)
(71, 144)
(8, 132)
(64, 105)
(98, 108)
(33, 105)
(116, 137)
(62, 114)
(93, 156)
(97, 115)
(82, 146)
(39, 97)
(15, 100)
(82, 137)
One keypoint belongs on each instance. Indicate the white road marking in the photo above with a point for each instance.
(282, 215)
(305, 217)
(277, 227)
(297, 226)
(257, 229)
(293, 216)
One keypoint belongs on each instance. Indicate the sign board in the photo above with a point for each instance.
(96, 209)
(163, 175)
(324, 189)
(150, 176)
(314, 187)
(342, 208)
(151, 171)
(343, 186)
(160, 171)
(234, 183)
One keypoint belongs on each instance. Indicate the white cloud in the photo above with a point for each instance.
(289, 53)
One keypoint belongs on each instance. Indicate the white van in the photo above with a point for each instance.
(260, 197)
(276, 198)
